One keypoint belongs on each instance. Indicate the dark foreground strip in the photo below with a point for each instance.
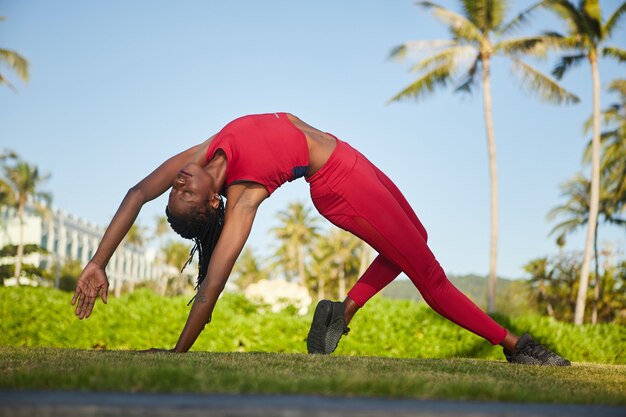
(70, 404)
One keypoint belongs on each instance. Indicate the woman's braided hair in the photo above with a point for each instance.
(204, 230)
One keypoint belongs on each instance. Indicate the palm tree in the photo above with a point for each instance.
(248, 269)
(6, 192)
(345, 258)
(321, 269)
(25, 181)
(297, 231)
(161, 227)
(587, 33)
(576, 213)
(135, 238)
(176, 254)
(613, 145)
(16, 62)
(476, 38)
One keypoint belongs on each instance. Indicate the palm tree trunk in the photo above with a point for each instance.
(363, 259)
(342, 281)
(320, 288)
(594, 202)
(301, 271)
(596, 286)
(20, 245)
(493, 175)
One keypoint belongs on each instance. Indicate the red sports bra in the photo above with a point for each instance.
(264, 148)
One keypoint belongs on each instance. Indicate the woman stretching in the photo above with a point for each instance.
(246, 162)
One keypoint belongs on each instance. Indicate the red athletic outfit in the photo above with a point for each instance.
(265, 148)
(356, 196)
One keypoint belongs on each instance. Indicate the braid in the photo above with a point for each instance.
(204, 230)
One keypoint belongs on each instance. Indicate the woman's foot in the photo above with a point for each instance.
(327, 327)
(528, 352)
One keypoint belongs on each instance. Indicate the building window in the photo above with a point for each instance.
(44, 241)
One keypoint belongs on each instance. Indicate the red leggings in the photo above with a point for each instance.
(356, 196)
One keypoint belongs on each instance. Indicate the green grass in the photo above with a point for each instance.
(275, 373)
(43, 317)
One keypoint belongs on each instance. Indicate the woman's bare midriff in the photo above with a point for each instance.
(321, 144)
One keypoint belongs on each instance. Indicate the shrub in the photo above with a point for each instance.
(392, 328)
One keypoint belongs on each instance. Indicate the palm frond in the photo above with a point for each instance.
(7, 83)
(486, 15)
(402, 51)
(613, 52)
(519, 20)
(460, 26)
(541, 84)
(604, 138)
(566, 63)
(470, 79)
(614, 18)
(567, 226)
(610, 115)
(532, 45)
(569, 13)
(618, 86)
(426, 84)
(557, 42)
(449, 56)
(590, 10)
(16, 62)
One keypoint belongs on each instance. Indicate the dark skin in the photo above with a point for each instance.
(195, 186)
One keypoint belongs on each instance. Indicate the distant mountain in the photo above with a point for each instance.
(512, 296)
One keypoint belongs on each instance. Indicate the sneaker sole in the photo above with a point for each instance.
(321, 320)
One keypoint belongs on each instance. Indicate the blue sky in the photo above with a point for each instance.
(119, 86)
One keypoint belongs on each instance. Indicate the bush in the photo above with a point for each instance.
(392, 328)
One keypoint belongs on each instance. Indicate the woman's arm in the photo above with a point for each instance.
(241, 208)
(93, 278)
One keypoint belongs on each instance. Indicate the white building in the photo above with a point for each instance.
(65, 237)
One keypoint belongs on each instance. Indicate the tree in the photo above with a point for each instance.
(476, 38)
(555, 281)
(176, 254)
(321, 269)
(161, 227)
(613, 145)
(248, 270)
(136, 239)
(297, 231)
(136, 236)
(15, 62)
(586, 34)
(25, 181)
(575, 212)
(7, 197)
(345, 259)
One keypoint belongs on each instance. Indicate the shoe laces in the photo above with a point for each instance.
(536, 350)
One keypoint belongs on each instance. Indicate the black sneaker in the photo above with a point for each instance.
(530, 353)
(327, 327)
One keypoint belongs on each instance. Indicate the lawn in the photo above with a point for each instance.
(27, 368)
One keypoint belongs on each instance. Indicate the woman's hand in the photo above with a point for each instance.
(155, 350)
(93, 280)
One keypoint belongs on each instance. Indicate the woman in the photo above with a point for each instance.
(246, 162)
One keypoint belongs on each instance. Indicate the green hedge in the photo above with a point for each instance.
(393, 328)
